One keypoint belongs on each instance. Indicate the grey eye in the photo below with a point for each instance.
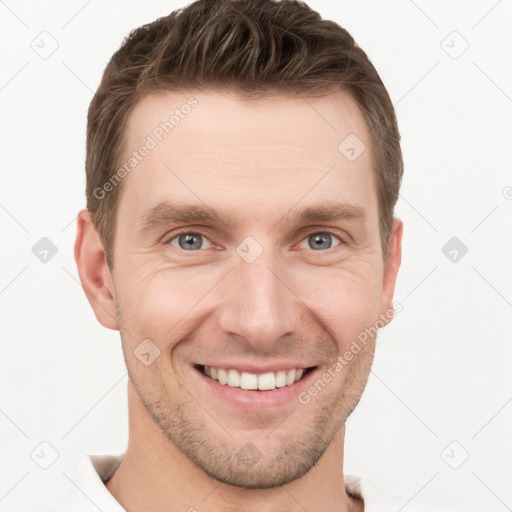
(319, 241)
(189, 241)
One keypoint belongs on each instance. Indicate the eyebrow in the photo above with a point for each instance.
(175, 213)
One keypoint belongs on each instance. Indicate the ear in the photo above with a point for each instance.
(93, 270)
(391, 266)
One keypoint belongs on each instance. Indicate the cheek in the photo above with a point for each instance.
(156, 301)
(347, 302)
(160, 303)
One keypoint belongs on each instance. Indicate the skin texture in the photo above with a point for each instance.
(264, 160)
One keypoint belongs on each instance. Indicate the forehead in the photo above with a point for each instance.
(194, 117)
(206, 146)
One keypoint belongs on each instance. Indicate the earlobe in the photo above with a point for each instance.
(391, 267)
(93, 271)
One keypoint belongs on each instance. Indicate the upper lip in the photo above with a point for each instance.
(255, 368)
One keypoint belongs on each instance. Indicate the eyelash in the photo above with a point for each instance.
(199, 232)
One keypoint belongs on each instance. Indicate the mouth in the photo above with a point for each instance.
(267, 381)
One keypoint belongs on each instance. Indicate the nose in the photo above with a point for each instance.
(259, 305)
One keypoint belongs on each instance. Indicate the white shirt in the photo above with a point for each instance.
(88, 493)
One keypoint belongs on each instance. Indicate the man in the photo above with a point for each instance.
(243, 163)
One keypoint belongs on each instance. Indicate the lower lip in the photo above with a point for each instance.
(255, 399)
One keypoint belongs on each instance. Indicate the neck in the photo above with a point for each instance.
(155, 475)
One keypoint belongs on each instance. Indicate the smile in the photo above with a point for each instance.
(252, 381)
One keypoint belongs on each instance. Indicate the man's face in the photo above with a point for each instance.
(254, 289)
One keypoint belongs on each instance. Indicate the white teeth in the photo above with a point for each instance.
(290, 377)
(245, 380)
(233, 379)
(248, 381)
(223, 376)
(280, 379)
(267, 381)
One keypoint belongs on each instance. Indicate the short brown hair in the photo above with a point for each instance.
(254, 48)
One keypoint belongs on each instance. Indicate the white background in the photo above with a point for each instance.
(442, 370)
